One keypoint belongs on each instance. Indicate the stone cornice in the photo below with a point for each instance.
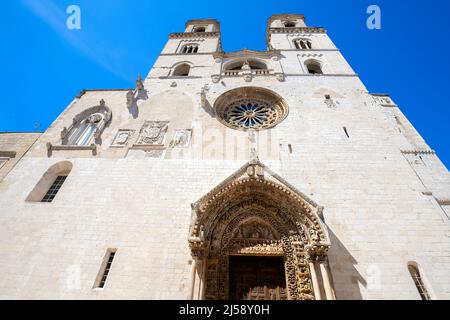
(181, 35)
(298, 30)
(247, 53)
(309, 50)
(292, 30)
(189, 54)
(51, 147)
(321, 75)
(417, 152)
(83, 92)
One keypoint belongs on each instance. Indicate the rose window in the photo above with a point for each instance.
(250, 114)
(250, 108)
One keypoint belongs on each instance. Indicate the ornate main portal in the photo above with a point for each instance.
(255, 218)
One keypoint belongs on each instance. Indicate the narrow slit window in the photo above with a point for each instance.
(290, 148)
(346, 132)
(54, 189)
(106, 267)
(415, 274)
(3, 161)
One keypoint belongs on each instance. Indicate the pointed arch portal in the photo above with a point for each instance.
(256, 222)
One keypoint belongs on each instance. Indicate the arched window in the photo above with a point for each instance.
(418, 281)
(289, 24)
(87, 125)
(313, 67)
(199, 29)
(182, 70)
(85, 131)
(302, 44)
(189, 48)
(253, 64)
(50, 183)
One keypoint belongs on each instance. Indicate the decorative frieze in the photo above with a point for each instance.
(311, 55)
(194, 35)
(298, 29)
(418, 152)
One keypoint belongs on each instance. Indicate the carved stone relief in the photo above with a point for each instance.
(181, 138)
(153, 133)
(122, 138)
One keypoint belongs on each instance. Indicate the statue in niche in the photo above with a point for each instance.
(253, 147)
(139, 84)
(246, 66)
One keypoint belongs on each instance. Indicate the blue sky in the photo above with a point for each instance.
(44, 65)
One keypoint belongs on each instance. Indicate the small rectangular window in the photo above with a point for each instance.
(51, 193)
(327, 97)
(3, 161)
(346, 132)
(105, 268)
(290, 148)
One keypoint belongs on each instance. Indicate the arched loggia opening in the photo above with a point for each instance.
(254, 217)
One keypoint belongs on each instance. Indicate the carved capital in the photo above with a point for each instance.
(198, 248)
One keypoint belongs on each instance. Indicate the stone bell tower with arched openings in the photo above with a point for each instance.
(270, 174)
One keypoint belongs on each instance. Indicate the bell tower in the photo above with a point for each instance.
(307, 50)
(290, 32)
(199, 37)
(189, 53)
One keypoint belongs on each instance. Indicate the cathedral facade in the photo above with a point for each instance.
(229, 175)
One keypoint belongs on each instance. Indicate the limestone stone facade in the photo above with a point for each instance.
(13, 145)
(213, 155)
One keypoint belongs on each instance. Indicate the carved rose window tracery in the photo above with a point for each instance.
(250, 108)
(251, 114)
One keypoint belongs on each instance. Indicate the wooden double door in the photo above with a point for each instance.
(257, 278)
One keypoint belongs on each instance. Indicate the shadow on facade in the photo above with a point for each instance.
(346, 277)
(209, 109)
(134, 110)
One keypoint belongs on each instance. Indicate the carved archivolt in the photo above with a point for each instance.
(255, 212)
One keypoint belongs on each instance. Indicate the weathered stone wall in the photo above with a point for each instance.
(382, 211)
(13, 145)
